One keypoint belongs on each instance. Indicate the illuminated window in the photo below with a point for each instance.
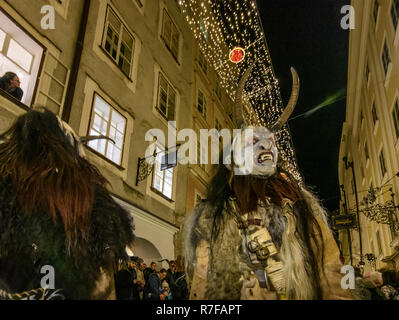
(201, 103)
(166, 98)
(118, 42)
(170, 35)
(162, 179)
(20, 53)
(107, 121)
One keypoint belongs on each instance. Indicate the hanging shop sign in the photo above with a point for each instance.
(340, 222)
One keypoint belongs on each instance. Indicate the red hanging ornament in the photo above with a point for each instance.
(237, 55)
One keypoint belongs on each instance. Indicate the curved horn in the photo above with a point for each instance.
(291, 103)
(238, 110)
(86, 139)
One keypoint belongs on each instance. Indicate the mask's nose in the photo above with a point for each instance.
(266, 145)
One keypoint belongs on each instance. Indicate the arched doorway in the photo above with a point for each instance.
(146, 250)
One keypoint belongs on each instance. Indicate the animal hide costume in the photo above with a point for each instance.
(55, 210)
(260, 234)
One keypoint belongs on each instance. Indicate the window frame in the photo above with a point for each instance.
(169, 46)
(91, 121)
(170, 87)
(202, 62)
(160, 153)
(123, 28)
(40, 64)
(204, 103)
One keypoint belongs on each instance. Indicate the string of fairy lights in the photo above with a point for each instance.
(222, 25)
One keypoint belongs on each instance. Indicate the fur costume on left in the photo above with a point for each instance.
(55, 210)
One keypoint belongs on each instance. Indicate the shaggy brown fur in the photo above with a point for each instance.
(48, 174)
(293, 230)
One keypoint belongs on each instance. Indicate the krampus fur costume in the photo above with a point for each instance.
(260, 234)
(55, 210)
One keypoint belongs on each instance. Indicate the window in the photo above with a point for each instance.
(118, 42)
(218, 88)
(366, 151)
(375, 11)
(385, 58)
(170, 35)
(53, 84)
(382, 163)
(202, 62)
(201, 105)
(166, 98)
(374, 114)
(395, 13)
(395, 116)
(105, 120)
(20, 53)
(162, 179)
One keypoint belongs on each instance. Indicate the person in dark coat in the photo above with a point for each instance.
(149, 270)
(124, 284)
(10, 83)
(153, 288)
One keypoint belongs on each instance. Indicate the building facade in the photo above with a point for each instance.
(119, 68)
(370, 136)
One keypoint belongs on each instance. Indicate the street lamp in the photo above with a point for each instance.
(349, 164)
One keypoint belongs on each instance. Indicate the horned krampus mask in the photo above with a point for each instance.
(254, 151)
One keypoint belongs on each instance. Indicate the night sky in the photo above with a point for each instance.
(307, 35)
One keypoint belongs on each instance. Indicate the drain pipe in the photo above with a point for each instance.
(70, 93)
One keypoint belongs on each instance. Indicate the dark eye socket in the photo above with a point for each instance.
(255, 140)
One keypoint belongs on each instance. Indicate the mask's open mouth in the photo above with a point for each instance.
(265, 156)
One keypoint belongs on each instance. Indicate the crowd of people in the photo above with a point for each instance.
(378, 285)
(136, 281)
(10, 83)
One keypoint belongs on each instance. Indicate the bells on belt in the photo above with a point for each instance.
(262, 251)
